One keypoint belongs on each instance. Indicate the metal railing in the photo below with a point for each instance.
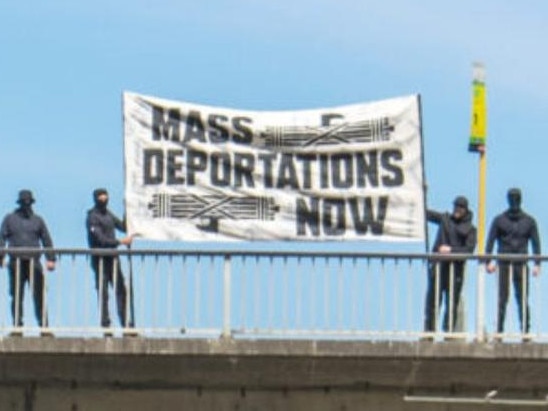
(241, 294)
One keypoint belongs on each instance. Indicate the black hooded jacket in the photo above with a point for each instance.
(101, 225)
(460, 234)
(512, 231)
(27, 230)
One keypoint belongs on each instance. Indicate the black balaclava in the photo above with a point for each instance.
(514, 200)
(25, 201)
(101, 205)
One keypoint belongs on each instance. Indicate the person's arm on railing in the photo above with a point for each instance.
(535, 243)
(491, 238)
(4, 232)
(47, 242)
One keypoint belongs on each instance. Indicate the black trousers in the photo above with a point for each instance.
(518, 273)
(22, 271)
(108, 272)
(440, 283)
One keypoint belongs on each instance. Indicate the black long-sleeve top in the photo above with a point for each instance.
(512, 231)
(101, 226)
(460, 235)
(24, 229)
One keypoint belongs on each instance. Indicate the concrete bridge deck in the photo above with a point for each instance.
(145, 373)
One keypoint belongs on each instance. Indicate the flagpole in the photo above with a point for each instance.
(477, 144)
(481, 200)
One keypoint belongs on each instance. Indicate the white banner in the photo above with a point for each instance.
(201, 173)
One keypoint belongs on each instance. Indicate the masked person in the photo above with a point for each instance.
(512, 231)
(101, 225)
(456, 234)
(25, 229)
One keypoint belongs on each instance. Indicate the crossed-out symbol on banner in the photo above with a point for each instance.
(344, 133)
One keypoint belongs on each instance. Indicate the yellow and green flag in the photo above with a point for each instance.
(478, 131)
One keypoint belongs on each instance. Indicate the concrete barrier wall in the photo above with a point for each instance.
(148, 374)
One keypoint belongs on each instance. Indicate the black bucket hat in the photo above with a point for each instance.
(25, 196)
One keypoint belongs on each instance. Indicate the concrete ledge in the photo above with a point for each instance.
(273, 364)
(278, 347)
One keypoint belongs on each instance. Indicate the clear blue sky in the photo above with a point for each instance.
(65, 64)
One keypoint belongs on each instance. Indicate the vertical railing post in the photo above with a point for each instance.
(480, 304)
(226, 296)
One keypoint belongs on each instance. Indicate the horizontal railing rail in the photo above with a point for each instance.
(480, 258)
(289, 294)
